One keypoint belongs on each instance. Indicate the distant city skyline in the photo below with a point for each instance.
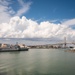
(37, 19)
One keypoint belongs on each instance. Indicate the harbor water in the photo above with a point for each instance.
(37, 62)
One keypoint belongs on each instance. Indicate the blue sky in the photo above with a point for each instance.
(54, 19)
(52, 9)
(48, 9)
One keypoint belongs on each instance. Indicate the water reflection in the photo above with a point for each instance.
(37, 62)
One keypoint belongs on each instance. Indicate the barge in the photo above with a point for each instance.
(13, 48)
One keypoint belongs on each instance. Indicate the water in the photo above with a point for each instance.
(37, 62)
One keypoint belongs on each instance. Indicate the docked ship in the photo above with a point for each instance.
(11, 48)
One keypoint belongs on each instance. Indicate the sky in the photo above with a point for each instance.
(54, 19)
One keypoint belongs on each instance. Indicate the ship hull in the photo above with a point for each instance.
(13, 50)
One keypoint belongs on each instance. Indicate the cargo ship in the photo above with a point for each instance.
(13, 48)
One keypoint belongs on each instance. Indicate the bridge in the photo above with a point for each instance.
(63, 44)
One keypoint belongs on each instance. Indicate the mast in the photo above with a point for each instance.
(64, 42)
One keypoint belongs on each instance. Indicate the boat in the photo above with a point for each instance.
(71, 50)
(13, 48)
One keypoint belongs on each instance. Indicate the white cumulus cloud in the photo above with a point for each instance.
(16, 27)
(27, 28)
(69, 22)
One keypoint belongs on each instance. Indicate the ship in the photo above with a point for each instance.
(13, 48)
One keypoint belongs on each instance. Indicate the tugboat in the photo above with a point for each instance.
(11, 48)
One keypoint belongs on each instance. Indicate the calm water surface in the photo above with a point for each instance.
(37, 62)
